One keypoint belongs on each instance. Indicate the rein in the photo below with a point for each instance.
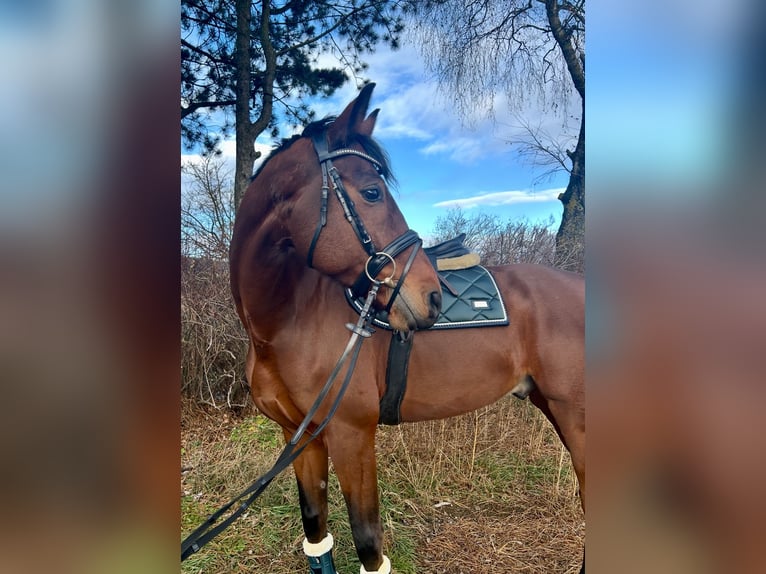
(374, 265)
(207, 531)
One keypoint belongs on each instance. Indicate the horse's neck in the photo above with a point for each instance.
(275, 282)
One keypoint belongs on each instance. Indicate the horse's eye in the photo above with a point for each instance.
(372, 194)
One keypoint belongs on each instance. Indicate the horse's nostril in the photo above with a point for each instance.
(436, 303)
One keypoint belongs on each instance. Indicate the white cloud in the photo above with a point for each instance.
(503, 198)
(464, 149)
(412, 107)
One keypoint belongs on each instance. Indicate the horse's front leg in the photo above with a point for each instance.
(311, 469)
(353, 454)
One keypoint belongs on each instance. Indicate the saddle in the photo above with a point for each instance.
(452, 254)
(470, 298)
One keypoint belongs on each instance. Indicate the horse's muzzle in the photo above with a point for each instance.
(434, 305)
(409, 314)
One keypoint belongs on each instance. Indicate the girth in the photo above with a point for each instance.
(396, 378)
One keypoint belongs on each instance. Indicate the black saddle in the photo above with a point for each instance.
(447, 249)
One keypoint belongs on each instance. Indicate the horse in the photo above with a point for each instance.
(293, 252)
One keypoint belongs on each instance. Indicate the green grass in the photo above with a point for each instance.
(499, 469)
(257, 431)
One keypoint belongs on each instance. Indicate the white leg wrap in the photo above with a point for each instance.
(318, 549)
(385, 568)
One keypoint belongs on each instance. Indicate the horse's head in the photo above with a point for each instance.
(344, 221)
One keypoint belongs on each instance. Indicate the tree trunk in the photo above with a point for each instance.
(575, 65)
(248, 131)
(245, 150)
(570, 238)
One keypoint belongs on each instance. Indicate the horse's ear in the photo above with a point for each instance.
(352, 120)
(369, 124)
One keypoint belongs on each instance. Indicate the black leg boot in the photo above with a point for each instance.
(319, 556)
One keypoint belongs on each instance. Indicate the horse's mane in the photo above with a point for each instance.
(369, 145)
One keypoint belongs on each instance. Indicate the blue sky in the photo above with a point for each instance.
(662, 78)
(439, 162)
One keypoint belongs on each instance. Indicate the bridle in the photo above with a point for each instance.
(377, 260)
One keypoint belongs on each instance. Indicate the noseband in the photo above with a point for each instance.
(377, 260)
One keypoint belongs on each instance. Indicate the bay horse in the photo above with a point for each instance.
(293, 252)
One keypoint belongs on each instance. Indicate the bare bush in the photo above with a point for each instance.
(213, 343)
(570, 253)
(501, 242)
(207, 208)
(520, 242)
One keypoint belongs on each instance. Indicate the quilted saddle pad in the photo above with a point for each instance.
(478, 303)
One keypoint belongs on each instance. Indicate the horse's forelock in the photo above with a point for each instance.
(317, 127)
(370, 146)
(374, 149)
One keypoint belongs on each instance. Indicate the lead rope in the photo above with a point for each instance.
(206, 531)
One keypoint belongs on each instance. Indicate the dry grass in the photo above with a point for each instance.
(213, 342)
(490, 491)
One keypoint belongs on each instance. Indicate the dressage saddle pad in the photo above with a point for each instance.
(470, 298)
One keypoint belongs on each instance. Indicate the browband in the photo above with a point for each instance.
(351, 151)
